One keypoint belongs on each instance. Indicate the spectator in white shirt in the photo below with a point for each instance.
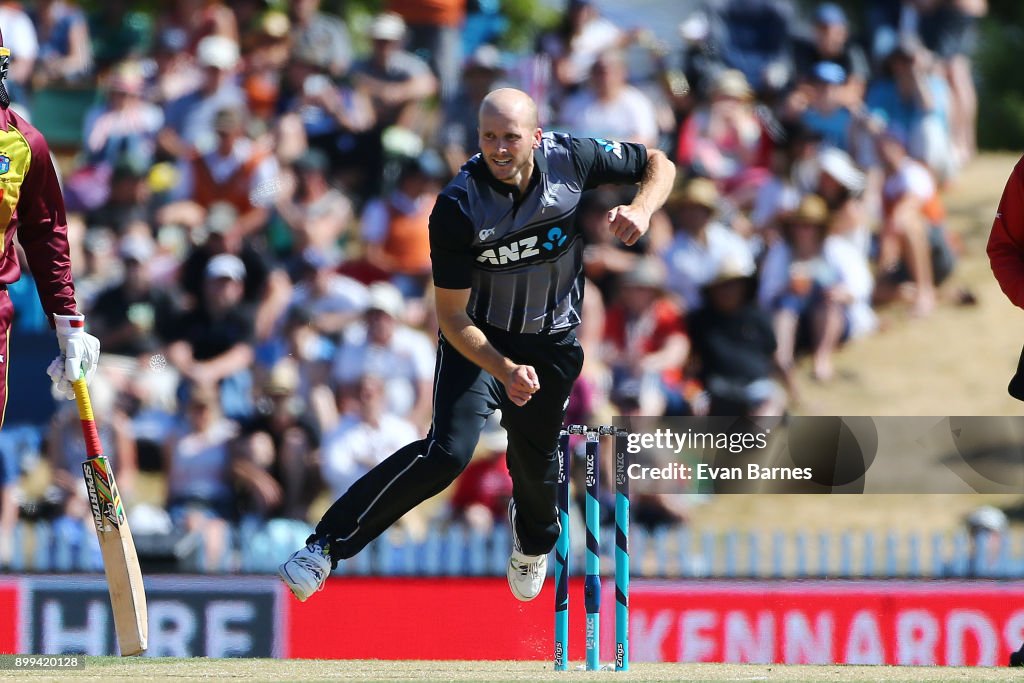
(700, 244)
(387, 347)
(609, 107)
(364, 438)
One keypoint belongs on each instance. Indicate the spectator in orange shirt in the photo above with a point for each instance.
(912, 243)
(395, 227)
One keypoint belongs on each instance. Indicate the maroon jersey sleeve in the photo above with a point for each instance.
(43, 228)
(1006, 241)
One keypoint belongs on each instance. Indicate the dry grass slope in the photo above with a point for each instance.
(956, 362)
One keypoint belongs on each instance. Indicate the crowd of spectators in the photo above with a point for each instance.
(248, 215)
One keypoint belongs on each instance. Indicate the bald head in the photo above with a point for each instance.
(509, 134)
(511, 105)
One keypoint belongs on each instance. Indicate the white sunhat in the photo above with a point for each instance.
(226, 265)
(840, 166)
(218, 52)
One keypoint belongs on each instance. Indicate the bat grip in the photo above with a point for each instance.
(89, 432)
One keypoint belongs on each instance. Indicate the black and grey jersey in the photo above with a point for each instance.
(520, 254)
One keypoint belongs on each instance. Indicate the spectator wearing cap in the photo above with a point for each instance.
(316, 215)
(384, 346)
(239, 171)
(65, 50)
(365, 436)
(213, 344)
(841, 184)
(830, 42)
(315, 32)
(22, 39)
(645, 339)
(725, 139)
(394, 227)
(275, 462)
(134, 318)
(434, 33)
(223, 237)
(609, 107)
(804, 291)
(700, 242)
(397, 81)
(125, 126)
(332, 299)
(189, 120)
(825, 113)
(337, 119)
(733, 345)
(913, 99)
(987, 532)
(482, 73)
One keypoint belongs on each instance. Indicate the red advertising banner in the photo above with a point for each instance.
(940, 623)
(954, 624)
(10, 617)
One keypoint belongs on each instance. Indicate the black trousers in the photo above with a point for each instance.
(464, 396)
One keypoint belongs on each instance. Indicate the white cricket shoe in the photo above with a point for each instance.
(306, 570)
(526, 574)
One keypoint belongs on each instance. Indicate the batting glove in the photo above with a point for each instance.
(79, 354)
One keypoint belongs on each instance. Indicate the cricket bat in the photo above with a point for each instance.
(120, 563)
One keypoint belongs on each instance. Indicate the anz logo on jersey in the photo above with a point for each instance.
(543, 244)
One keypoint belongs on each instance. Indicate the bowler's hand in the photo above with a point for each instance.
(628, 223)
(521, 384)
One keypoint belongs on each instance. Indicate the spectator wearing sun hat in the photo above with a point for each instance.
(699, 242)
(726, 140)
(734, 345)
(805, 291)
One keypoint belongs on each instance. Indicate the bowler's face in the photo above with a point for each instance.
(507, 144)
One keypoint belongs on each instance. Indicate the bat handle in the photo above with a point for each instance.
(89, 432)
